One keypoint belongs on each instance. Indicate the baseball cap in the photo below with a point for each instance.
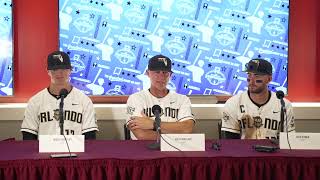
(259, 66)
(159, 63)
(58, 60)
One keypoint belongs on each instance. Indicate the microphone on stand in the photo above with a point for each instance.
(156, 110)
(280, 95)
(63, 93)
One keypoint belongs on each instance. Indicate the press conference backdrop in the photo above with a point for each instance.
(6, 69)
(209, 42)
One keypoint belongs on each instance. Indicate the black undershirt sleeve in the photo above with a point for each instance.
(91, 135)
(29, 136)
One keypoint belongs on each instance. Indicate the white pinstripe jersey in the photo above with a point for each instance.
(175, 107)
(266, 118)
(41, 116)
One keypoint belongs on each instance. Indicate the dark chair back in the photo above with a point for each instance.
(219, 129)
(126, 131)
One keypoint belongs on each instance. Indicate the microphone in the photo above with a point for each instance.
(280, 95)
(157, 110)
(63, 93)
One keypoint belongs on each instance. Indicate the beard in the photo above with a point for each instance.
(255, 89)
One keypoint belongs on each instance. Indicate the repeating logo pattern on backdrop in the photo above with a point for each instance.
(208, 41)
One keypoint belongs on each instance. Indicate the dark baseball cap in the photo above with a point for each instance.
(58, 60)
(159, 63)
(259, 66)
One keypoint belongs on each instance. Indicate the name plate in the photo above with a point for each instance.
(57, 143)
(300, 140)
(182, 142)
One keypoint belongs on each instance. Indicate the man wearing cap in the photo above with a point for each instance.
(176, 116)
(255, 113)
(41, 116)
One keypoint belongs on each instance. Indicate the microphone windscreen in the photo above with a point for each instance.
(156, 108)
(280, 94)
(63, 92)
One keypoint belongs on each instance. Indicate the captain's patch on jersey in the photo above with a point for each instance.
(130, 110)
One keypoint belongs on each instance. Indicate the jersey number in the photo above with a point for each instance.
(69, 132)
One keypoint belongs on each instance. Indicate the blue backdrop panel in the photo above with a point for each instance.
(209, 42)
(6, 69)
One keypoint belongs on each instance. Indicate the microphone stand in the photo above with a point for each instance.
(282, 111)
(63, 93)
(156, 145)
(282, 115)
(61, 115)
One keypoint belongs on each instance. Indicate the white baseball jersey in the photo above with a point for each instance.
(175, 107)
(241, 113)
(41, 116)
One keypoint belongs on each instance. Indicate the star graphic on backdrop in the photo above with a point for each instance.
(82, 56)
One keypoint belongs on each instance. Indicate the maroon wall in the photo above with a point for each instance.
(36, 34)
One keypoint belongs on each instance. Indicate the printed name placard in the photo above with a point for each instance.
(182, 142)
(57, 143)
(300, 140)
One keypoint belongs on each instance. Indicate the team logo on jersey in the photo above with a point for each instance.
(225, 117)
(56, 114)
(58, 56)
(257, 121)
(130, 110)
(292, 122)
